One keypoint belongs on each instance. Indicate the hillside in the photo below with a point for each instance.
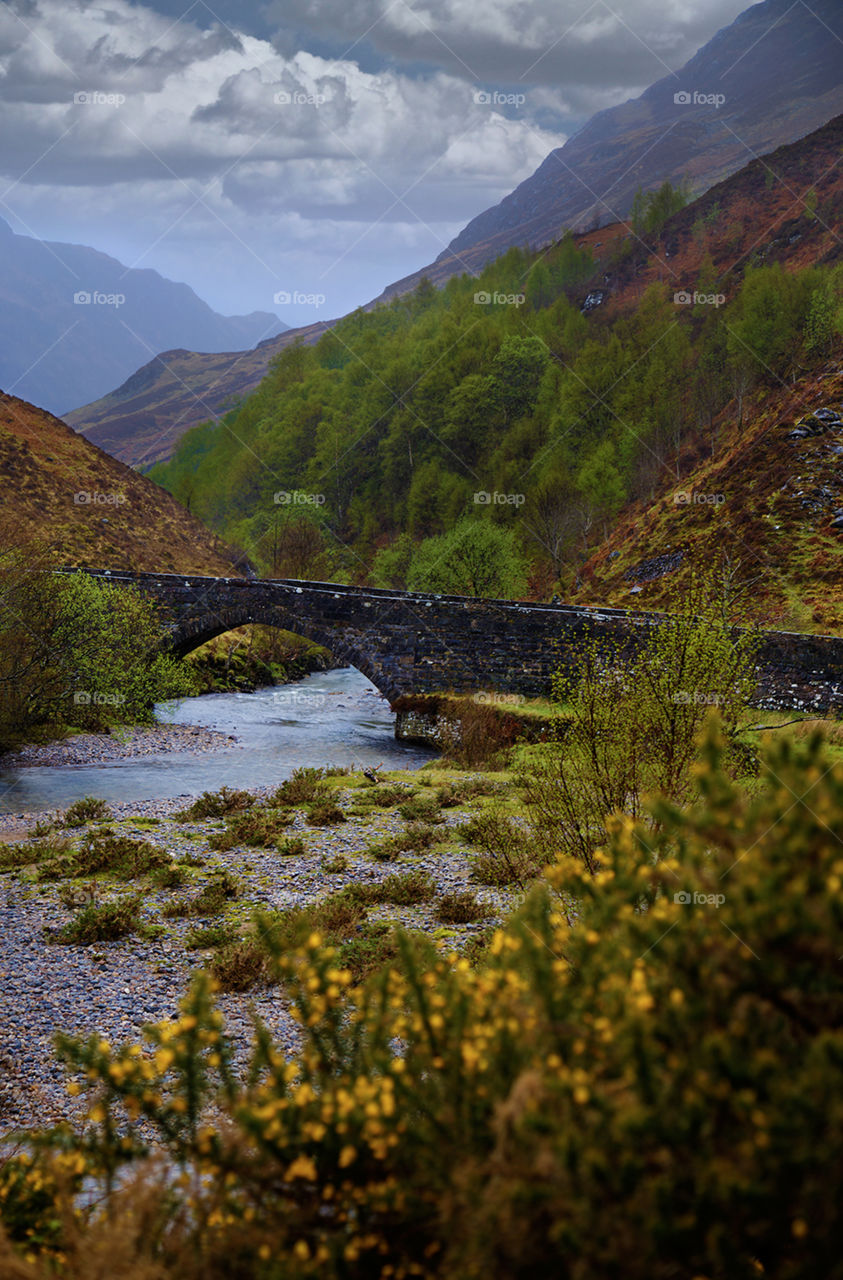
(142, 420)
(592, 383)
(90, 509)
(74, 321)
(770, 498)
(777, 69)
(640, 143)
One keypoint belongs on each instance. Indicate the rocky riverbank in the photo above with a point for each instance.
(123, 742)
(112, 988)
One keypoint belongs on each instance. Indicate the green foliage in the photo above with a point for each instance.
(102, 922)
(671, 1049)
(633, 718)
(210, 901)
(258, 826)
(216, 804)
(89, 809)
(460, 908)
(74, 652)
(399, 416)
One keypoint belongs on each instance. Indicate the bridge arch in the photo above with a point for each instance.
(190, 633)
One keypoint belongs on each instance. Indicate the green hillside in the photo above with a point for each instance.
(545, 398)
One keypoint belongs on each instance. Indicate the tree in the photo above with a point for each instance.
(475, 558)
(633, 715)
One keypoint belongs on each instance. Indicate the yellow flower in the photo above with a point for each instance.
(347, 1155)
(302, 1167)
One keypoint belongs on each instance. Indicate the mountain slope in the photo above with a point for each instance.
(778, 68)
(771, 496)
(74, 321)
(144, 418)
(91, 509)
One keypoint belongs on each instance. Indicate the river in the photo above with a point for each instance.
(331, 718)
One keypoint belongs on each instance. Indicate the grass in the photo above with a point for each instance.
(89, 809)
(170, 877)
(216, 804)
(416, 839)
(117, 854)
(103, 922)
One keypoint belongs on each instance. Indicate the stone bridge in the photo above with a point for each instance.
(412, 642)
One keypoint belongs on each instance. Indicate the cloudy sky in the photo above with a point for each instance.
(318, 147)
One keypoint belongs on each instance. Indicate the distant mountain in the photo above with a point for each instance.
(770, 78)
(143, 420)
(778, 66)
(74, 322)
(91, 509)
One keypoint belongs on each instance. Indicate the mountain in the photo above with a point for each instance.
(556, 390)
(91, 509)
(777, 66)
(776, 74)
(74, 321)
(142, 420)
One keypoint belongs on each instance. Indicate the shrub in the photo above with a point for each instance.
(335, 865)
(508, 854)
(421, 808)
(170, 877)
(209, 935)
(255, 827)
(103, 851)
(102, 922)
(302, 787)
(292, 847)
(634, 720)
(325, 814)
(673, 1052)
(461, 790)
(216, 804)
(384, 795)
(460, 908)
(210, 901)
(89, 809)
(402, 889)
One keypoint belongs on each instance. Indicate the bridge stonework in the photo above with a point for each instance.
(412, 642)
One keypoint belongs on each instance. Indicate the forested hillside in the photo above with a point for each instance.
(541, 398)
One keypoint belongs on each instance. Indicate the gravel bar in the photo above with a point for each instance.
(114, 988)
